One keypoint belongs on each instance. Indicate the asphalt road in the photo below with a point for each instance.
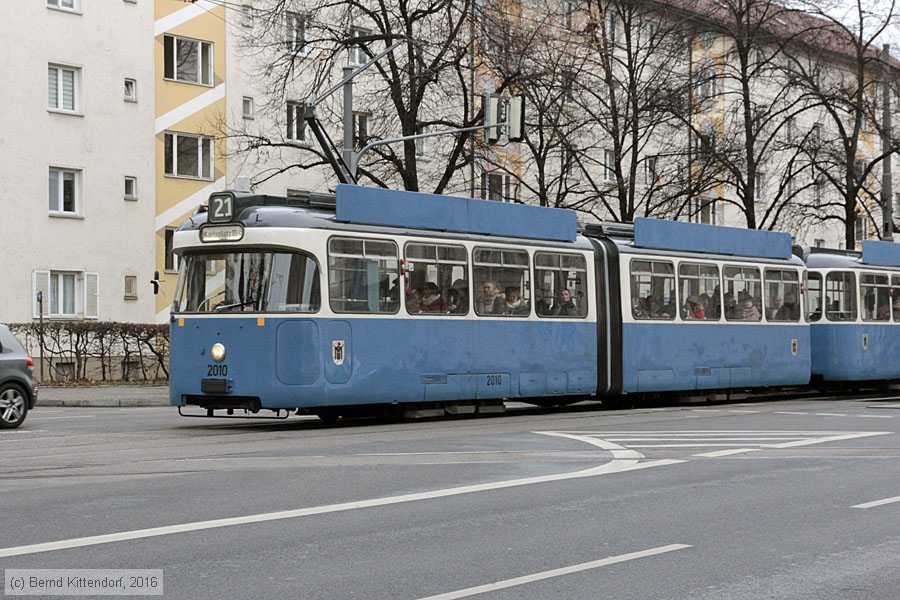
(792, 499)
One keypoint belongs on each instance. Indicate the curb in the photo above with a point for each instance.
(100, 402)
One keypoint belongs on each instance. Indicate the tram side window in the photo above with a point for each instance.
(782, 298)
(840, 296)
(364, 275)
(814, 297)
(874, 297)
(502, 286)
(560, 285)
(652, 290)
(743, 293)
(699, 291)
(895, 295)
(437, 279)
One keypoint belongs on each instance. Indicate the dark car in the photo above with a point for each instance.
(18, 389)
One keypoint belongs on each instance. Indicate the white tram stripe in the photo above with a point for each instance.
(614, 466)
(878, 502)
(516, 581)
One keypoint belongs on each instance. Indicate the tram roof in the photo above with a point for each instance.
(396, 208)
(711, 239)
(874, 254)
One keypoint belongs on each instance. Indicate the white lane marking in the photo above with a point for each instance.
(454, 453)
(682, 445)
(833, 438)
(704, 439)
(69, 417)
(878, 503)
(614, 466)
(829, 415)
(719, 453)
(785, 412)
(21, 431)
(618, 452)
(516, 581)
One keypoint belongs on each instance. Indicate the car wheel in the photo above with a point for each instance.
(13, 406)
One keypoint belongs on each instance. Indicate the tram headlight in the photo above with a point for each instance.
(218, 352)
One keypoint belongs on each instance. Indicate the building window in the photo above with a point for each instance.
(130, 188)
(759, 184)
(422, 143)
(896, 204)
(360, 129)
(609, 22)
(571, 168)
(297, 129)
(790, 126)
(65, 191)
(651, 176)
(861, 226)
(567, 13)
(188, 155)
(130, 90)
(294, 32)
(69, 5)
(609, 168)
(500, 187)
(247, 107)
(62, 294)
(131, 287)
(63, 88)
(356, 54)
(819, 243)
(187, 60)
(171, 265)
(247, 15)
(706, 85)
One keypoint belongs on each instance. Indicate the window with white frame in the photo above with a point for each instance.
(896, 203)
(819, 243)
(356, 53)
(66, 294)
(63, 88)
(758, 186)
(651, 175)
(247, 107)
(188, 155)
(861, 227)
(294, 31)
(297, 129)
(187, 60)
(571, 167)
(422, 143)
(247, 15)
(609, 166)
(498, 186)
(610, 24)
(171, 261)
(567, 13)
(65, 191)
(69, 5)
(130, 90)
(706, 83)
(130, 188)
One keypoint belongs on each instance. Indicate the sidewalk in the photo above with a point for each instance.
(111, 395)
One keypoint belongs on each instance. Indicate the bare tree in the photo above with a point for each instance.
(839, 72)
(297, 46)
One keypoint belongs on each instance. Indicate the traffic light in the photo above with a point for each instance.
(492, 119)
(515, 118)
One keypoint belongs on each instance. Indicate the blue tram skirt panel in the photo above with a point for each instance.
(856, 351)
(662, 357)
(320, 362)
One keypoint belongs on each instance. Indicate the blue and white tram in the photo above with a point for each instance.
(853, 307)
(380, 298)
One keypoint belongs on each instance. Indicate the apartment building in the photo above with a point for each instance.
(78, 178)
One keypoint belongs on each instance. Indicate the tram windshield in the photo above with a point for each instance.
(248, 281)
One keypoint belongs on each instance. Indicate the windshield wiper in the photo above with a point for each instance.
(224, 307)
